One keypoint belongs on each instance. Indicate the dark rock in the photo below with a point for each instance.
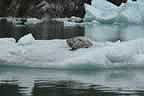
(42, 8)
(79, 42)
(117, 2)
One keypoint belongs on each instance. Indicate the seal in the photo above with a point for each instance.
(78, 42)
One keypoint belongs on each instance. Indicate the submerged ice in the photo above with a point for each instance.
(56, 54)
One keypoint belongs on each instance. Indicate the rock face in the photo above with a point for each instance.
(78, 42)
(42, 8)
(117, 2)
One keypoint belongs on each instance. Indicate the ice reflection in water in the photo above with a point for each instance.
(114, 32)
(44, 82)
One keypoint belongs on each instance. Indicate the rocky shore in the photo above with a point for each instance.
(42, 8)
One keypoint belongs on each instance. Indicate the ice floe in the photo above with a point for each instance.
(56, 54)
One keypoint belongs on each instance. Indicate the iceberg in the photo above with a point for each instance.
(55, 54)
(100, 17)
(105, 12)
(28, 39)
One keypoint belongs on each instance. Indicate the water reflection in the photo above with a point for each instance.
(5, 28)
(41, 31)
(57, 30)
(68, 88)
(9, 88)
(45, 82)
(108, 32)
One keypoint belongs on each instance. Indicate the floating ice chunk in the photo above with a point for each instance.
(133, 12)
(102, 17)
(56, 54)
(72, 24)
(71, 19)
(75, 19)
(33, 21)
(26, 40)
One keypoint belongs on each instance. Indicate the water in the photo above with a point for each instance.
(43, 82)
(42, 31)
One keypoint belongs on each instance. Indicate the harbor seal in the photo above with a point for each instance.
(78, 42)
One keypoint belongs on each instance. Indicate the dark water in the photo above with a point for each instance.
(42, 31)
(43, 82)
(57, 30)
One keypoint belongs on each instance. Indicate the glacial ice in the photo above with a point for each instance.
(29, 52)
(132, 12)
(99, 15)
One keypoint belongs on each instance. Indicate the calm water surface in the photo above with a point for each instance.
(42, 31)
(45, 82)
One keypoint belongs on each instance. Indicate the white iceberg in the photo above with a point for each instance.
(56, 54)
(26, 40)
(101, 17)
(105, 12)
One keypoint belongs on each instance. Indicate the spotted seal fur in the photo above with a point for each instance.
(78, 42)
